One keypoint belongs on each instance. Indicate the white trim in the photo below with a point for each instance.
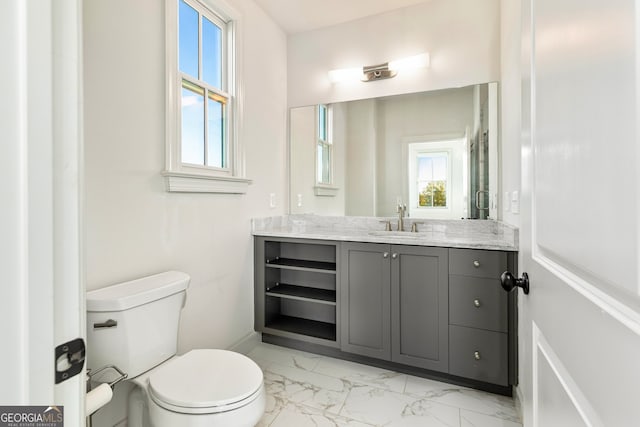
(192, 183)
(248, 343)
(579, 400)
(612, 306)
(494, 134)
(518, 398)
(324, 190)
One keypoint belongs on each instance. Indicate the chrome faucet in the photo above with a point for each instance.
(401, 209)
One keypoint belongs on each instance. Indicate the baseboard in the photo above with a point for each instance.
(247, 343)
(517, 398)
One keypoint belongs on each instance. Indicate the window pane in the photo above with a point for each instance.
(440, 167)
(211, 53)
(432, 179)
(215, 134)
(188, 39)
(425, 168)
(192, 124)
(322, 122)
(323, 167)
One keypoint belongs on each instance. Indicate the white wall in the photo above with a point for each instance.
(133, 226)
(509, 106)
(462, 37)
(361, 154)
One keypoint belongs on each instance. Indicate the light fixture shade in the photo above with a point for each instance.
(376, 72)
(345, 74)
(410, 63)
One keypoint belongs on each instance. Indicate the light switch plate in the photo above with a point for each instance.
(506, 202)
(272, 200)
(299, 200)
(515, 202)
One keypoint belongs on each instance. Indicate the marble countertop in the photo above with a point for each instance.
(470, 234)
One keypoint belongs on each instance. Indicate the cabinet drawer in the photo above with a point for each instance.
(477, 263)
(478, 354)
(477, 303)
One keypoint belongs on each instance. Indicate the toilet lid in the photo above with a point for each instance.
(206, 379)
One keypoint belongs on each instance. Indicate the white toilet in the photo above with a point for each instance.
(134, 326)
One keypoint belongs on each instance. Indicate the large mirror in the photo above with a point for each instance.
(435, 152)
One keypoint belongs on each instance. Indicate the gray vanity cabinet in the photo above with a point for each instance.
(395, 303)
(419, 307)
(366, 299)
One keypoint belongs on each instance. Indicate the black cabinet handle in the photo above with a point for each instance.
(509, 282)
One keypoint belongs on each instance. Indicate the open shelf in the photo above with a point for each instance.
(308, 327)
(301, 264)
(296, 289)
(303, 293)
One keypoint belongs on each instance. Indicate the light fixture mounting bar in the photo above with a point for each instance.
(377, 72)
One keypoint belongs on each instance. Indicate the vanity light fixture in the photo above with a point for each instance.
(387, 70)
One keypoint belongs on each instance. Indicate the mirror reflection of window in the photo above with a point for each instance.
(324, 146)
(432, 180)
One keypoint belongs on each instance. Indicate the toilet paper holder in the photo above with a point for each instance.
(121, 376)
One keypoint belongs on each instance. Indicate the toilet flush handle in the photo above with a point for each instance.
(108, 324)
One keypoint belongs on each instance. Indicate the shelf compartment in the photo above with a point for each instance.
(297, 325)
(303, 293)
(301, 317)
(302, 264)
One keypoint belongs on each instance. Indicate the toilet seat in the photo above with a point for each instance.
(206, 382)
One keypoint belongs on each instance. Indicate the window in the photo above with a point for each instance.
(432, 180)
(324, 155)
(324, 152)
(203, 150)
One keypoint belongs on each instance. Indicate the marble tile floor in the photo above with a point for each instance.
(305, 389)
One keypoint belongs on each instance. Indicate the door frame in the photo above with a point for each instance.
(40, 181)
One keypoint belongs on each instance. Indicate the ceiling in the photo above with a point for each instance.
(295, 16)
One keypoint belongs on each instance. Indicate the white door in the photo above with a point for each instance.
(580, 325)
(42, 301)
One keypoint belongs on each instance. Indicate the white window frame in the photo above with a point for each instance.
(184, 177)
(414, 150)
(324, 188)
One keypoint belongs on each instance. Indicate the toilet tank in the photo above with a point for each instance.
(134, 325)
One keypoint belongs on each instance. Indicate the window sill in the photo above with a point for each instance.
(326, 191)
(190, 183)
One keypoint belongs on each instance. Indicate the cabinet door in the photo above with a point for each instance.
(365, 300)
(420, 306)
